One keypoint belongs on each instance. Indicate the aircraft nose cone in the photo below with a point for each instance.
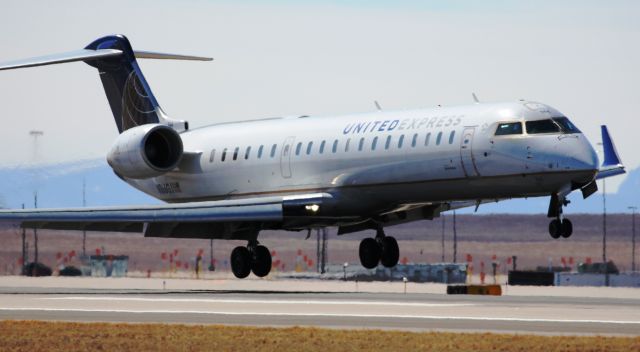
(585, 156)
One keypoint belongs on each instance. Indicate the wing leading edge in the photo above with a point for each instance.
(229, 219)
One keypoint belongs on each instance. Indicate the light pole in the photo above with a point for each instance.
(633, 237)
(604, 227)
(455, 239)
(35, 134)
(84, 232)
(443, 223)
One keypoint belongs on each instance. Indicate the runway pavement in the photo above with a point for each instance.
(328, 307)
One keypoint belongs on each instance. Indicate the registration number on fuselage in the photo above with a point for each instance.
(169, 188)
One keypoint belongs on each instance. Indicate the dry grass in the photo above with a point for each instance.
(59, 336)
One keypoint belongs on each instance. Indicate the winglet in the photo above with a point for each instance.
(611, 157)
(612, 165)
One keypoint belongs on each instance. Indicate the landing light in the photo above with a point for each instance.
(312, 208)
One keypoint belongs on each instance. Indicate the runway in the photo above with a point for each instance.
(368, 310)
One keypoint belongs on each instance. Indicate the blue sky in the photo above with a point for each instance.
(320, 58)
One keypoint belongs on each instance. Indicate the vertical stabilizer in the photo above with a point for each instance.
(129, 94)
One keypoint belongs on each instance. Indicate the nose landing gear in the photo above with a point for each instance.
(252, 258)
(560, 226)
(383, 249)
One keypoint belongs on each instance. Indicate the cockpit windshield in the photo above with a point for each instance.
(566, 125)
(554, 125)
(509, 128)
(542, 126)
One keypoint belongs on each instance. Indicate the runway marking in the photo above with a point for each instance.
(262, 301)
(330, 315)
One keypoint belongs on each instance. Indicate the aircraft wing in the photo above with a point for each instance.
(229, 219)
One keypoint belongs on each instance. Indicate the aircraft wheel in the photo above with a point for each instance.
(241, 262)
(566, 228)
(369, 253)
(555, 227)
(261, 263)
(390, 252)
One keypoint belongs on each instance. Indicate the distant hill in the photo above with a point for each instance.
(61, 186)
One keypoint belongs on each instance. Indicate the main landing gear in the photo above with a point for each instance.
(252, 258)
(382, 249)
(560, 226)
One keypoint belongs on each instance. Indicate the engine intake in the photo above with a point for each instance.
(146, 151)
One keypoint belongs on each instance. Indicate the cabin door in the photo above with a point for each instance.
(466, 153)
(285, 157)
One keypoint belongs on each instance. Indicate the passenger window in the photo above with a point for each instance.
(400, 141)
(224, 154)
(439, 138)
(335, 146)
(451, 136)
(309, 147)
(235, 153)
(273, 150)
(509, 128)
(361, 144)
(298, 148)
(388, 142)
(246, 153)
(426, 139)
(414, 140)
(322, 147)
(346, 146)
(374, 143)
(285, 152)
(260, 151)
(212, 156)
(542, 126)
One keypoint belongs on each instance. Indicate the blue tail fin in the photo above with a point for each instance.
(129, 94)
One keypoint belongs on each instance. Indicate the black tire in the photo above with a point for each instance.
(566, 228)
(390, 252)
(261, 261)
(555, 228)
(241, 262)
(369, 253)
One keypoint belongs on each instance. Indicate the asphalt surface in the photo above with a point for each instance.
(365, 310)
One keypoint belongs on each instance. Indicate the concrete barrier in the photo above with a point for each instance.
(485, 290)
(531, 278)
(580, 279)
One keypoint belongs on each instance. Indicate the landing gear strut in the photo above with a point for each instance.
(382, 249)
(560, 226)
(252, 258)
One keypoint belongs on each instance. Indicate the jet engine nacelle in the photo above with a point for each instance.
(146, 151)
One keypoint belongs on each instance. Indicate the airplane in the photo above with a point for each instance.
(355, 172)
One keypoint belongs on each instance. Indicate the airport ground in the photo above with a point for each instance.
(126, 314)
(320, 303)
(565, 318)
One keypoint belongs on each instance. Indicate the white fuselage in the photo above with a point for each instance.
(386, 158)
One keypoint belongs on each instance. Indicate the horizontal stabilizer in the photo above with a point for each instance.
(78, 55)
(91, 55)
(611, 166)
(163, 56)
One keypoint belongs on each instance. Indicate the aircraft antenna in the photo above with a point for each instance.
(475, 98)
(377, 105)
